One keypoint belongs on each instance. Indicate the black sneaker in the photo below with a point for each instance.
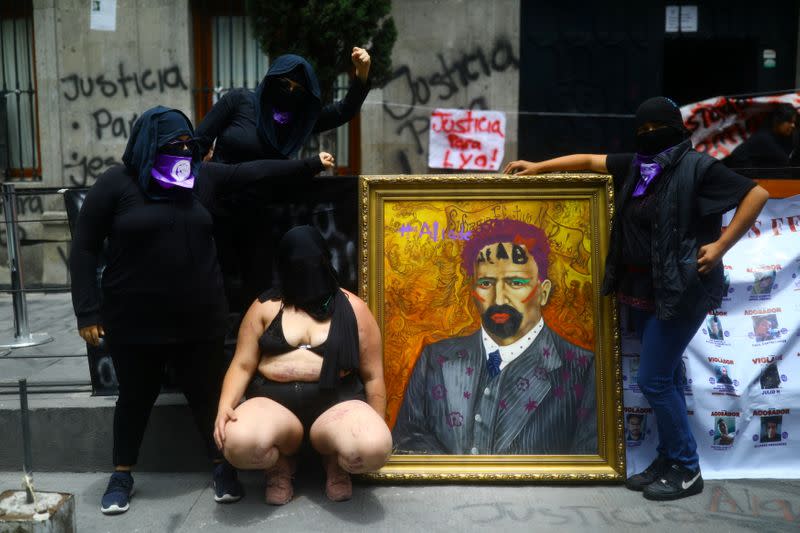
(118, 493)
(677, 482)
(656, 469)
(227, 488)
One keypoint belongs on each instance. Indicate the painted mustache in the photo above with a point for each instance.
(501, 320)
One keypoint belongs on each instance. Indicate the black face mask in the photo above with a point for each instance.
(319, 309)
(656, 141)
(285, 99)
(508, 328)
(308, 281)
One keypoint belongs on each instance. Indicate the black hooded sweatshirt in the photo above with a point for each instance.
(162, 282)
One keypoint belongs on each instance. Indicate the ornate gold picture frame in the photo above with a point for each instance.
(501, 356)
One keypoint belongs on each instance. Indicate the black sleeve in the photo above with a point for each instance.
(721, 190)
(223, 179)
(338, 113)
(94, 220)
(216, 120)
(618, 166)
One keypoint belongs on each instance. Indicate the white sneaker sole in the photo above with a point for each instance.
(116, 509)
(226, 498)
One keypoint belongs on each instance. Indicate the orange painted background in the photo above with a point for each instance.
(427, 294)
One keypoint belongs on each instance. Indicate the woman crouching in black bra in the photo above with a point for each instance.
(309, 361)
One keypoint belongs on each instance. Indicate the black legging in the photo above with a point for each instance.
(199, 369)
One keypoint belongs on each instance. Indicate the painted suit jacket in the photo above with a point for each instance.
(543, 402)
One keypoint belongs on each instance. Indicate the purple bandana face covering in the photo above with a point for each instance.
(281, 117)
(648, 172)
(173, 171)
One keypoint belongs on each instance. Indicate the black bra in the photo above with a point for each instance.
(273, 342)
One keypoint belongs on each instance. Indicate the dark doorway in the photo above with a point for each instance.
(696, 69)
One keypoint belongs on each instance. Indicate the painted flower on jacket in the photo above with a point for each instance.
(438, 392)
(454, 419)
(578, 388)
(523, 384)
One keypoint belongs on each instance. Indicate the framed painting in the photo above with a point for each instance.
(501, 355)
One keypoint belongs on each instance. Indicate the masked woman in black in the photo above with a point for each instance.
(274, 121)
(162, 296)
(665, 266)
(271, 123)
(310, 363)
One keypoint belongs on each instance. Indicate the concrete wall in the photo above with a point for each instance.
(449, 53)
(90, 87)
(103, 79)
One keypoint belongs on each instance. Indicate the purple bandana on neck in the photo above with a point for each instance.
(173, 171)
(649, 170)
(281, 117)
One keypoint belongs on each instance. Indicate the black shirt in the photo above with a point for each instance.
(721, 189)
(232, 122)
(162, 282)
(764, 149)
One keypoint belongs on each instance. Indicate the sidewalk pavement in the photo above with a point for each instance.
(184, 503)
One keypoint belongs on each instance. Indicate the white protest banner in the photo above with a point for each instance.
(467, 139)
(720, 124)
(742, 381)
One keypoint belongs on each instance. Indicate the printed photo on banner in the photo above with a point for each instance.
(686, 379)
(727, 289)
(714, 328)
(721, 372)
(724, 430)
(636, 428)
(770, 378)
(763, 284)
(630, 376)
(722, 380)
(765, 327)
(771, 428)
(490, 315)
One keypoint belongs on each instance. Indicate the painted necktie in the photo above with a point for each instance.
(493, 363)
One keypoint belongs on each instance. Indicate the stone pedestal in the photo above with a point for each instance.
(54, 512)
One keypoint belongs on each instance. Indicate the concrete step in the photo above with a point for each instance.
(73, 433)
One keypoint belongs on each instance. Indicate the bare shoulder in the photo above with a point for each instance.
(363, 314)
(264, 312)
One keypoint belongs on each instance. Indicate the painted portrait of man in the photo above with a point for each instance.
(514, 385)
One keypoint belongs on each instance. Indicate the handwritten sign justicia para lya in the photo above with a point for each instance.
(466, 139)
